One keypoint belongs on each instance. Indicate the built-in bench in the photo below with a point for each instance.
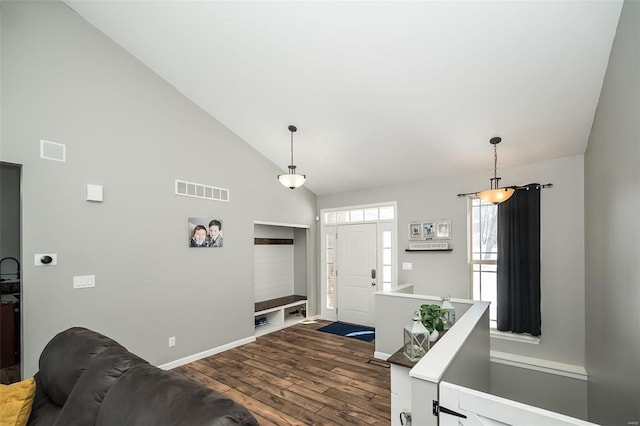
(276, 314)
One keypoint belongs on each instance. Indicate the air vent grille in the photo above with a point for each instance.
(198, 190)
(52, 151)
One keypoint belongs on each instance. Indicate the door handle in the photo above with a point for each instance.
(373, 274)
(373, 284)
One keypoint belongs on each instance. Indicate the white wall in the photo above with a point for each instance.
(128, 130)
(273, 264)
(612, 229)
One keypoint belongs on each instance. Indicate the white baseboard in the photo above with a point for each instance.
(381, 355)
(538, 364)
(204, 354)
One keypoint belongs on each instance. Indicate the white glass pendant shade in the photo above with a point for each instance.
(496, 196)
(292, 180)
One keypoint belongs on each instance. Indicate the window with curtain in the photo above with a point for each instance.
(505, 259)
(483, 256)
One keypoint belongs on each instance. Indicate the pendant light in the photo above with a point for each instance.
(292, 180)
(495, 195)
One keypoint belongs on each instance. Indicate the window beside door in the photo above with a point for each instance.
(330, 265)
(387, 255)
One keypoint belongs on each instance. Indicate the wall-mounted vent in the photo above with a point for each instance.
(198, 190)
(52, 151)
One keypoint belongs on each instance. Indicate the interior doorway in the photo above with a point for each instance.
(10, 273)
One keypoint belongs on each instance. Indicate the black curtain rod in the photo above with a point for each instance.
(546, 185)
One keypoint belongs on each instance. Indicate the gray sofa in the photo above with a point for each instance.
(86, 378)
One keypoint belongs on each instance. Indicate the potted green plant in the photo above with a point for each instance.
(432, 319)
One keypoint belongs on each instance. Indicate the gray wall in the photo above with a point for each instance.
(553, 392)
(612, 203)
(130, 131)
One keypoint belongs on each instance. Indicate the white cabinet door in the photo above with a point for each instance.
(483, 409)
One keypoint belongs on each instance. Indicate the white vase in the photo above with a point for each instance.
(433, 336)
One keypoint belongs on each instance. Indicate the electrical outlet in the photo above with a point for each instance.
(172, 341)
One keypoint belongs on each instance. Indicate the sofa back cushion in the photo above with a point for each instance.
(147, 395)
(65, 358)
(84, 401)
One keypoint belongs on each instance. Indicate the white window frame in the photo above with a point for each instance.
(471, 261)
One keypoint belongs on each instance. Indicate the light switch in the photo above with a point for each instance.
(407, 266)
(84, 281)
(94, 192)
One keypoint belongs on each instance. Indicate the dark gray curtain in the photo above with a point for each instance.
(519, 262)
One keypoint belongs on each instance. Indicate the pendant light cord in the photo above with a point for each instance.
(495, 161)
(291, 148)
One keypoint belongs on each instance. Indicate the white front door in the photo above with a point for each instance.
(483, 409)
(357, 275)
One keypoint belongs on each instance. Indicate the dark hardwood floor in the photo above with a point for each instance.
(301, 376)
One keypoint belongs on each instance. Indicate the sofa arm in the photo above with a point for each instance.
(83, 403)
(65, 358)
(147, 395)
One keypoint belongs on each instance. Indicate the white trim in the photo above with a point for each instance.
(204, 354)
(434, 364)
(514, 337)
(363, 206)
(491, 409)
(288, 225)
(538, 364)
(406, 288)
(381, 355)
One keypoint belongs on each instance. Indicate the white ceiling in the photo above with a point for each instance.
(381, 92)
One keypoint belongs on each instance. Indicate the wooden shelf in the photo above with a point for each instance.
(428, 249)
(273, 241)
(278, 303)
(277, 313)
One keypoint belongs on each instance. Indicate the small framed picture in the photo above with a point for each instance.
(442, 230)
(427, 231)
(204, 232)
(415, 231)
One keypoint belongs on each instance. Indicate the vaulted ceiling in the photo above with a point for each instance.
(381, 92)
